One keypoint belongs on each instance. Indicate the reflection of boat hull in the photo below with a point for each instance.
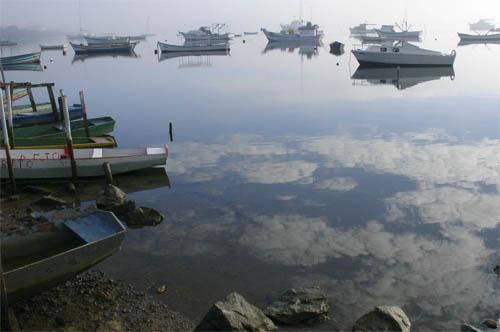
(21, 59)
(402, 77)
(171, 55)
(290, 37)
(372, 59)
(307, 47)
(84, 56)
(63, 250)
(23, 66)
(164, 47)
(489, 37)
(104, 48)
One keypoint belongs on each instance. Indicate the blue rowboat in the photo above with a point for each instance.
(22, 58)
(45, 115)
(51, 255)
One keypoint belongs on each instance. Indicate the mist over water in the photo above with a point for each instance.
(292, 166)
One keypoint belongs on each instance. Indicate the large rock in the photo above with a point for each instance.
(383, 318)
(234, 313)
(137, 216)
(111, 196)
(300, 305)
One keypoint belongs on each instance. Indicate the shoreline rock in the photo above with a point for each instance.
(383, 318)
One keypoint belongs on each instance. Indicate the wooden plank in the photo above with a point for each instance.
(32, 99)
(84, 111)
(53, 102)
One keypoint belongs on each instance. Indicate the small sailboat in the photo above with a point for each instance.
(104, 47)
(388, 31)
(308, 31)
(21, 59)
(46, 257)
(401, 54)
(55, 163)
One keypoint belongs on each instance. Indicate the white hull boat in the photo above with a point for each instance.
(211, 34)
(289, 37)
(193, 47)
(388, 31)
(104, 48)
(361, 29)
(478, 37)
(55, 163)
(402, 54)
(106, 39)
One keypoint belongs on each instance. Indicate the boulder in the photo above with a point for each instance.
(383, 318)
(490, 323)
(234, 313)
(300, 305)
(496, 269)
(469, 328)
(111, 196)
(137, 216)
(50, 202)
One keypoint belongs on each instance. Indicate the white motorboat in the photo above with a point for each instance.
(362, 29)
(402, 54)
(307, 32)
(55, 163)
(483, 24)
(388, 31)
(401, 78)
(193, 47)
(206, 34)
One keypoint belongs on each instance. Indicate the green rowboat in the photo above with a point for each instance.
(60, 142)
(97, 127)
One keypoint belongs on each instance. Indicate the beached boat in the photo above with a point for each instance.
(21, 59)
(55, 163)
(305, 32)
(52, 47)
(106, 40)
(96, 127)
(104, 48)
(206, 34)
(362, 29)
(401, 78)
(58, 251)
(484, 24)
(388, 31)
(402, 54)
(479, 37)
(193, 47)
(27, 143)
(24, 116)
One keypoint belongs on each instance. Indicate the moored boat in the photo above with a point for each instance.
(194, 47)
(96, 127)
(106, 40)
(206, 34)
(362, 29)
(7, 43)
(21, 59)
(23, 67)
(388, 31)
(479, 37)
(55, 163)
(27, 143)
(44, 258)
(308, 31)
(483, 24)
(104, 48)
(52, 47)
(402, 54)
(24, 116)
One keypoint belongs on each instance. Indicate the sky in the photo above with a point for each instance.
(131, 16)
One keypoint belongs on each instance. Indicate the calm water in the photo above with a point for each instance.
(285, 171)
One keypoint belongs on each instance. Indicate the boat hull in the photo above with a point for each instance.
(54, 163)
(106, 40)
(21, 59)
(286, 37)
(491, 37)
(371, 59)
(44, 116)
(52, 47)
(104, 48)
(164, 47)
(395, 34)
(199, 37)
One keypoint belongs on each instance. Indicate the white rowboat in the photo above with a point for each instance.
(104, 48)
(55, 163)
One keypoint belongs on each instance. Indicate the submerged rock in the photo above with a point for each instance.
(300, 305)
(234, 313)
(496, 269)
(50, 202)
(111, 196)
(469, 328)
(383, 318)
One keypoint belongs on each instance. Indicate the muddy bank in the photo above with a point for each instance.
(94, 302)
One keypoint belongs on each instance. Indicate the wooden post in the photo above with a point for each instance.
(32, 99)
(61, 112)
(170, 132)
(84, 111)
(6, 145)
(53, 102)
(69, 138)
(9, 116)
(107, 173)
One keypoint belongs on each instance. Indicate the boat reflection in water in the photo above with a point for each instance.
(193, 59)
(308, 48)
(401, 78)
(81, 57)
(23, 67)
